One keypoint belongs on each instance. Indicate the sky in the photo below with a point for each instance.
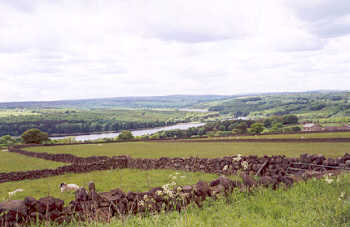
(64, 49)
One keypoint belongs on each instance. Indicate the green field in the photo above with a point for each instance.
(126, 179)
(12, 162)
(312, 203)
(288, 136)
(207, 149)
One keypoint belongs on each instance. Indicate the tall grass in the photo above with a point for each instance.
(312, 203)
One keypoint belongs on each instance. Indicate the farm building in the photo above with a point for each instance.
(311, 127)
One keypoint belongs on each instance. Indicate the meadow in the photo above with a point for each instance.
(125, 179)
(193, 149)
(12, 162)
(320, 135)
(311, 203)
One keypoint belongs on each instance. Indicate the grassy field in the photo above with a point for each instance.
(126, 179)
(11, 162)
(208, 150)
(288, 136)
(312, 203)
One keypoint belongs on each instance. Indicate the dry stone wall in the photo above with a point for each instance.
(92, 206)
(252, 165)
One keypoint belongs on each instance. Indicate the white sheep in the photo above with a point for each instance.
(15, 191)
(68, 187)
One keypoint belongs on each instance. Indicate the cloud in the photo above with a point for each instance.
(53, 50)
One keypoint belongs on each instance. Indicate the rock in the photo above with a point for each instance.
(248, 181)
(81, 195)
(347, 163)
(15, 206)
(48, 204)
(92, 187)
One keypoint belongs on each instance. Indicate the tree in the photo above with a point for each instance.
(7, 140)
(256, 128)
(125, 135)
(34, 135)
(267, 123)
(290, 119)
(242, 127)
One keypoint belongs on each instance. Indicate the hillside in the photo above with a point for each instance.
(320, 105)
(172, 101)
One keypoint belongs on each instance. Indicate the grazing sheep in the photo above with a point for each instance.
(15, 191)
(68, 187)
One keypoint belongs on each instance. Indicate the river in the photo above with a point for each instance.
(139, 132)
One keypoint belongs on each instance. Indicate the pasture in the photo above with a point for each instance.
(188, 149)
(321, 135)
(125, 179)
(311, 203)
(12, 162)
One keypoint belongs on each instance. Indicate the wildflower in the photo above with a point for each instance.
(182, 176)
(141, 203)
(179, 189)
(237, 159)
(328, 180)
(225, 168)
(159, 193)
(145, 197)
(245, 165)
(177, 173)
(342, 195)
(173, 177)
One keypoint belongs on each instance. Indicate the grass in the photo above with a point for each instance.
(289, 136)
(126, 179)
(311, 203)
(207, 150)
(12, 162)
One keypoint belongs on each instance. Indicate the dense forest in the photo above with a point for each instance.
(70, 121)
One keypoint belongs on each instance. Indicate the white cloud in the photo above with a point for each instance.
(86, 49)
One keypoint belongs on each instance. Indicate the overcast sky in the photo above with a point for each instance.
(52, 49)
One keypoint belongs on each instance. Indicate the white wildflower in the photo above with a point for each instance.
(182, 176)
(177, 173)
(225, 168)
(238, 158)
(173, 177)
(245, 165)
(145, 197)
(141, 203)
(179, 189)
(328, 180)
(159, 193)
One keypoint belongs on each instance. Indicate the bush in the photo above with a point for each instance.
(125, 135)
(256, 128)
(35, 136)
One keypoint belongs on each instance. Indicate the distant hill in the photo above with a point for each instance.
(172, 101)
(308, 105)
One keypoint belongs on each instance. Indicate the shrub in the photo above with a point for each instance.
(34, 136)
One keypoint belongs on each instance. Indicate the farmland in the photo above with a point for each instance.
(126, 179)
(312, 203)
(207, 150)
(288, 136)
(11, 162)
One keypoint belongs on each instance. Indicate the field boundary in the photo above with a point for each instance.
(273, 171)
(267, 165)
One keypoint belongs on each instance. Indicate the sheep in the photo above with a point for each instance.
(68, 187)
(15, 191)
